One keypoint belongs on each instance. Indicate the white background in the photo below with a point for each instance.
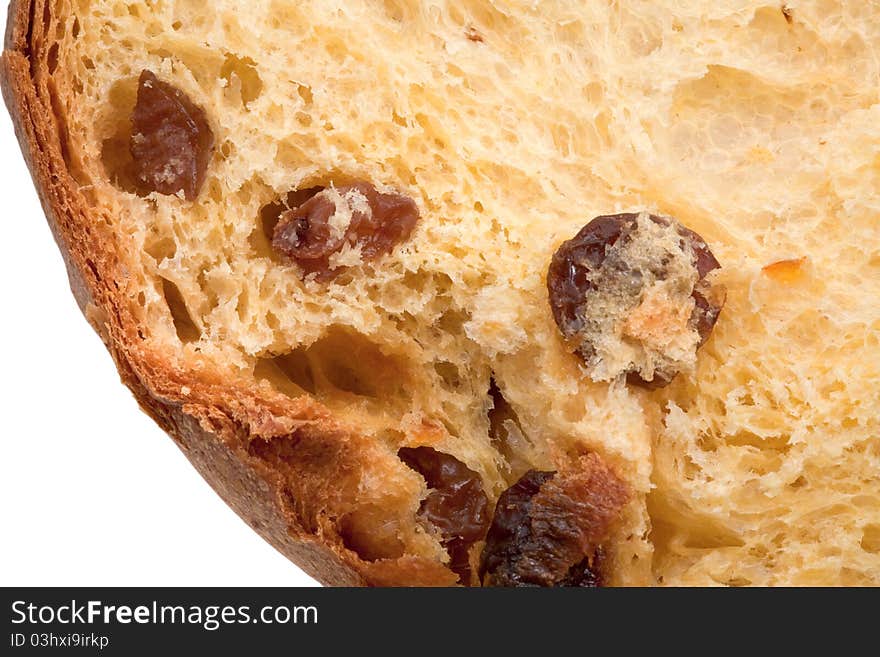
(91, 491)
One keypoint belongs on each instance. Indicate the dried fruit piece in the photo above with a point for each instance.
(457, 505)
(510, 532)
(785, 271)
(314, 234)
(630, 293)
(548, 528)
(586, 575)
(171, 142)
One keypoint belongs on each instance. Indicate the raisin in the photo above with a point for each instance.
(357, 215)
(457, 505)
(510, 531)
(592, 267)
(586, 575)
(270, 214)
(306, 233)
(705, 311)
(549, 527)
(171, 142)
(568, 279)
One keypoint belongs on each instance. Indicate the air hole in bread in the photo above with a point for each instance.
(397, 119)
(507, 435)
(339, 365)
(372, 531)
(52, 58)
(295, 152)
(350, 363)
(452, 321)
(305, 92)
(47, 16)
(673, 524)
(71, 155)
(743, 438)
(115, 125)
(738, 581)
(216, 194)
(60, 29)
(395, 10)
(871, 539)
(290, 373)
(711, 541)
(161, 53)
(242, 78)
(448, 373)
(450, 427)
(187, 330)
(161, 248)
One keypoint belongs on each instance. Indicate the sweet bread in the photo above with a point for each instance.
(484, 292)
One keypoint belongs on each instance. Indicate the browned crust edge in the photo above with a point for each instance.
(213, 428)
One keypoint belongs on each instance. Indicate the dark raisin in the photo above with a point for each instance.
(591, 264)
(171, 142)
(306, 234)
(312, 232)
(548, 528)
(661, 379)
(510, 531)
(506, 432)
(587, 574)
(457, 505)
(568, 279)
(270, 214)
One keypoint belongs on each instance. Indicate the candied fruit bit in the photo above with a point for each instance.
(630, 294)
(171, 142)
(457, 505)
(785, 271)
(357, 215)
(549, 527)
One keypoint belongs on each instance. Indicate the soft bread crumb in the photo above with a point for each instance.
(760, 465)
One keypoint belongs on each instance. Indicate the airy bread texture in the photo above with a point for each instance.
(511, 124)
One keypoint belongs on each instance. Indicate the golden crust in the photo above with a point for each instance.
(213, 426)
